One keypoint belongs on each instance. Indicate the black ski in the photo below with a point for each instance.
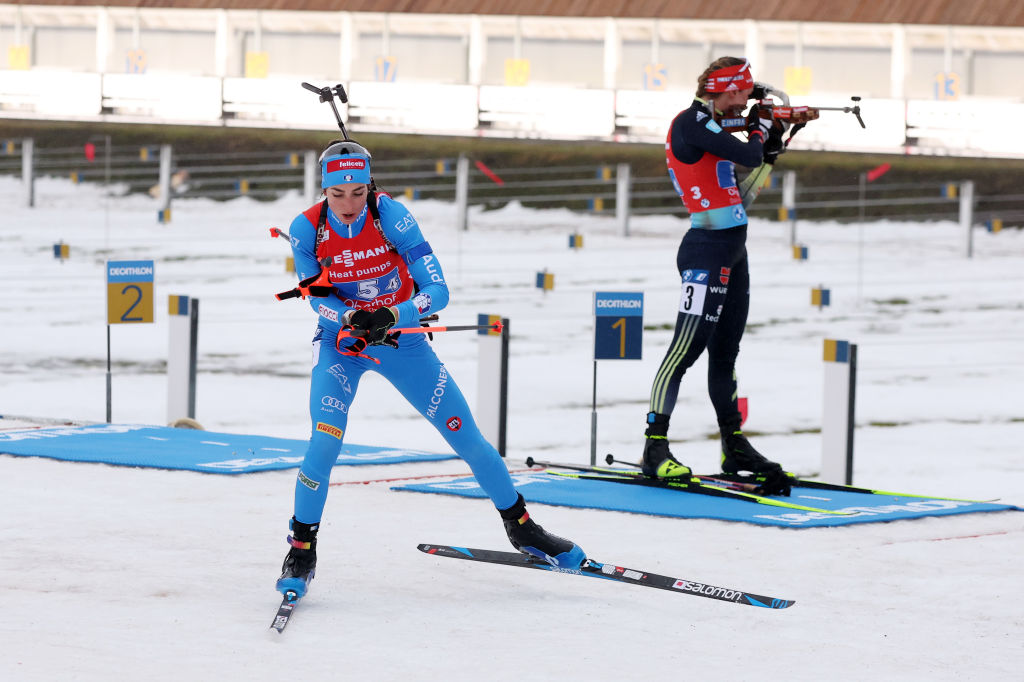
(284, 611)
(698, 484)
(839, 487)
(752, 483)
(594, 569)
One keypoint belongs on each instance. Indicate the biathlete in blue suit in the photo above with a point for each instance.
(712, 262)
(383, 278)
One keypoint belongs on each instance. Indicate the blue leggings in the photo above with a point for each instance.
(423, 380)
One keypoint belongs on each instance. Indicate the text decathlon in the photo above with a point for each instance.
(131, 270)
(619, 303)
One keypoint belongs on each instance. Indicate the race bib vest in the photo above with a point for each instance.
(366, 273)
(706, 185)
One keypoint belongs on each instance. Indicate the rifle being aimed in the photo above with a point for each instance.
(788, 115)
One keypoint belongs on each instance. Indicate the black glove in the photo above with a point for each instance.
(774, 145)
(375, 326)
(757, 125)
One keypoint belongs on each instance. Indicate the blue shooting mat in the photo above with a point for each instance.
(570, 492)
(163, 447)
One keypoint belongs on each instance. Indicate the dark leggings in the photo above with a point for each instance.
(712, 314)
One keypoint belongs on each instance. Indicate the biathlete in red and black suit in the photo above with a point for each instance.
(712, 261)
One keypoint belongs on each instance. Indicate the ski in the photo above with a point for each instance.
(839, 487)
(752, 483)
(594, 569)
(284, 611)
(698, 484)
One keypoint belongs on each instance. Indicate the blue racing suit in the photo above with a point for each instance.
(373, 265)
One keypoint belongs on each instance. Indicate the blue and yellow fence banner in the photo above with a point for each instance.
(837, 351)
(177, 305)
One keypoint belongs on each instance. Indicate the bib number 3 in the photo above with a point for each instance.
(695, 289)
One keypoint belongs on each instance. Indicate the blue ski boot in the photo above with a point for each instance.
(300, 563)
(529, 538)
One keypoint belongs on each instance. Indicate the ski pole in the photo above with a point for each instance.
(495, 327)
(611, 460)
(531, 462)
(278, 232)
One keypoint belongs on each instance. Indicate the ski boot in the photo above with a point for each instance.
(658, 462)
(739, 455)
(300, 563)
(529, 538)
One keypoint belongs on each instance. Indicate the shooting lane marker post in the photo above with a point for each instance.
(837, 421)
(129, 301)
(492, 380)
(183, 326)
(618, 335)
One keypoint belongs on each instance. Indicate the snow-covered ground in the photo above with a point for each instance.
(131, 574)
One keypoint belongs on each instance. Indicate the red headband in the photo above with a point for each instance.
(730, 78)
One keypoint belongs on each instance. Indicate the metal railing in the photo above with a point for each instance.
(584, 188)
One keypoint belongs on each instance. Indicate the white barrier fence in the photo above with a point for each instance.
(955, 128)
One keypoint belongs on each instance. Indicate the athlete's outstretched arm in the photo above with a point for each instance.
(330, 309)
(691, 137)
(402, 230)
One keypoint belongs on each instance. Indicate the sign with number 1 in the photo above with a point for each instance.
(618, 325)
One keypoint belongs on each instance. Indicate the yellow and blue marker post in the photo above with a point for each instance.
(821, 297)
(492, 380)
(183, 331)
(837, 422)
(61, 251)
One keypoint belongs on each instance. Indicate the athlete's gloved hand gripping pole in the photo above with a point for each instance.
(372, 327)
(317, 286)
(353, 332)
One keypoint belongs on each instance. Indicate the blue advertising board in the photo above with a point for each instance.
(618, 325)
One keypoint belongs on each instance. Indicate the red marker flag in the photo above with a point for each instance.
(878, 172)
(489, 173)
(90, 152)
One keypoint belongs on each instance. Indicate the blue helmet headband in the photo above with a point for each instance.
(343, 163)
